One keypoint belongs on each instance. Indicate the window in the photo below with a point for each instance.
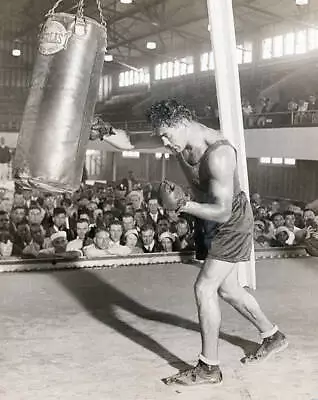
(312, 38)
(267, 48)
(248, 52)
(301, 42)
(134, 77)
(176, 71)
(277, 161)
(170, 69)
(207, 61)
(93, 162)
(174, 68)
(278, 46)
(289, 161)
(239, 54)
(289, 44)
(105, 84)
(131, 154)
(158, 71)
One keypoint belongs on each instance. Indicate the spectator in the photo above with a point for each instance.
(149, 244)
(38, 241)
(274, 208)
(35, 215)
(130, 181)
(59, 223)
(5, 158)
(131, 239)
(290, 220)
(128, 222)
(19, 200)
(278, 220)
(17, 216)
(6, 244)
(163, 225)
(100, 246)
(284, 237)
(154, 210)
(4, 221)
(135, 198)
(82, 230)
(310, 225)
(139, 219)
(261, 212)
(186, 240)
(260, 238)
(115, 232)
(58, 249)
(167, 241)
(22, 238)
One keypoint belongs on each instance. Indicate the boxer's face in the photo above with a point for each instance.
(174, 137)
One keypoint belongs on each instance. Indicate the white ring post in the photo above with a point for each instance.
(223, 42)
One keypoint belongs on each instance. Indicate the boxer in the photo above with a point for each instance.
(210, 164)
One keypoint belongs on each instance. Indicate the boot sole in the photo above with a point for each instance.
(269, 355)
(179, 383)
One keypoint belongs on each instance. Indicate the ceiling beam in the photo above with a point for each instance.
(163, 28)
(134, 10)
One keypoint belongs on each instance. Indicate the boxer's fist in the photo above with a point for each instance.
(171, 196)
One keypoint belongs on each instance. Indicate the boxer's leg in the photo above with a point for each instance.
(213, 273)
(206, 288)
(273, 340)
(233, 293)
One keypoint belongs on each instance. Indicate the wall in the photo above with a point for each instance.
(300, 143)
(299, 182)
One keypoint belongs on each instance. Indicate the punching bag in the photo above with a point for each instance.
(55, 129)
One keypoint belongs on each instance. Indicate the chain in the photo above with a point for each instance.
(80, 9)
(101, 15)
(52, 10)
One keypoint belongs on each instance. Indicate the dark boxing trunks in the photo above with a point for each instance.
(232, 240)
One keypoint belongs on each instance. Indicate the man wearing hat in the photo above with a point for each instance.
(58, 249)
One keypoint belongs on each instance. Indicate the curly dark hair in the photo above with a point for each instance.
(167, 112)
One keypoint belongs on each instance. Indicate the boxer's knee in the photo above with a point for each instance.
(205, 288)
(231, 296)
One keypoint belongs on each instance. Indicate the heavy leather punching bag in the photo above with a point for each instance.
(59, 111)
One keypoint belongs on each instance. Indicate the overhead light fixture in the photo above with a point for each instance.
(16, 52)
(167, 156)
(158, 155)
(126, 1)
(108, 57)
(151, 45)
(302, 2)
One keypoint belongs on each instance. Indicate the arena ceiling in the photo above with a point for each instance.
(177, 26)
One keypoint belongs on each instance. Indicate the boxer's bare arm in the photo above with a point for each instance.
(222, 163)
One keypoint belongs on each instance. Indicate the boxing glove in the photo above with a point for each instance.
(171, 196)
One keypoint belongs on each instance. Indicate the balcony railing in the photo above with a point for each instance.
(286, 119)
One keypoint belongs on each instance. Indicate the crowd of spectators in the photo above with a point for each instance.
(268, 113)
(125, 218)
(114, 219)
(276, 225)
